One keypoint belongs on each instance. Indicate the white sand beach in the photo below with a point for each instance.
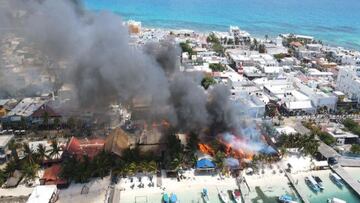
(272, 182)
(20, 190)
(186, 190)
(96, 194)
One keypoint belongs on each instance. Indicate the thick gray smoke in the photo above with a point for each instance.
(104, 68)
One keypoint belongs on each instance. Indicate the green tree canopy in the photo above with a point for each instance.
(216, 67)
(207, 81)
(353, 126)
(355, 148)
(326, 138)
(185, 47)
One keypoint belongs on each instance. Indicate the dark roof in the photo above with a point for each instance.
(14, 180)
(45, 108)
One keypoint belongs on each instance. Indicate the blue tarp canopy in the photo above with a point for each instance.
(205, 163)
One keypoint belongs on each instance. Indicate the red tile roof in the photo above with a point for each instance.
(51, 175)
(296, 44)
(89, 147)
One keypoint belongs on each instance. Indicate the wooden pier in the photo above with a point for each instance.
(347, 178)
(245, 189)
(299, 191)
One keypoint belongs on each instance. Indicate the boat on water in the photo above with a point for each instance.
(310, 181)
(237, 196)
(223, 196)
(286, 199)
(173, 198)
(336, 200)
(165, 198)
(319, 182)
(336, 179)
(205, 195)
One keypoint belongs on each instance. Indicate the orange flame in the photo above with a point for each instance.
(236, 153)
(206, 149)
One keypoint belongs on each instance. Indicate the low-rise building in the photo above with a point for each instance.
(342, 137)
(250, 104)
(44, 194)
(81, 147)
(4, 142)
(348, 81)
(31, 111)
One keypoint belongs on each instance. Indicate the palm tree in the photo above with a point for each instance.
(174, 164)
(28, 153)
(152, 167)
(82, 171)
(11, 166)
(101, 164)
(68, 168)
(29, 170)
(55, 150)
(142, 166)
(41, 153)
(13, 147)
(219, 159)
(130, 169)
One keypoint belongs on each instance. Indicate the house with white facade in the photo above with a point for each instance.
(348, 81)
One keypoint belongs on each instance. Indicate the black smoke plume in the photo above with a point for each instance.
(104, 69)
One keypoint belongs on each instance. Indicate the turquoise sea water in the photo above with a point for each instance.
(331, 190)
(333, 21)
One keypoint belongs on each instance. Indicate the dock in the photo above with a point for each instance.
(299, 191)
(115, 197)
(346, 177)
(244, 188)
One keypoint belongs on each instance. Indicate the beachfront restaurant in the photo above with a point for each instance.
(205, 165)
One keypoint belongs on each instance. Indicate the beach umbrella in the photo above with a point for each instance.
(173, 198)
(166, 198)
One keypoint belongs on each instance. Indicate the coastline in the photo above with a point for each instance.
(203, 18)
(258, 37)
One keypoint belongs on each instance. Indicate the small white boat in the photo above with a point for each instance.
(237, 196)
(336, 179)
(205, 195)
(223, 196)
(286, 199)
(319, 182)
(312, 183)
(336, 200)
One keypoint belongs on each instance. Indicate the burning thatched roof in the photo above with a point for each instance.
(117, 141)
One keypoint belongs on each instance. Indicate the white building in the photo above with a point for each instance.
(250, 104)
(314, 47)
(348, 81)
(312, 72)
(276, 47)
(341, 136)
(317, 97)
(43, 194)
(288, 96)
(4, 141)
